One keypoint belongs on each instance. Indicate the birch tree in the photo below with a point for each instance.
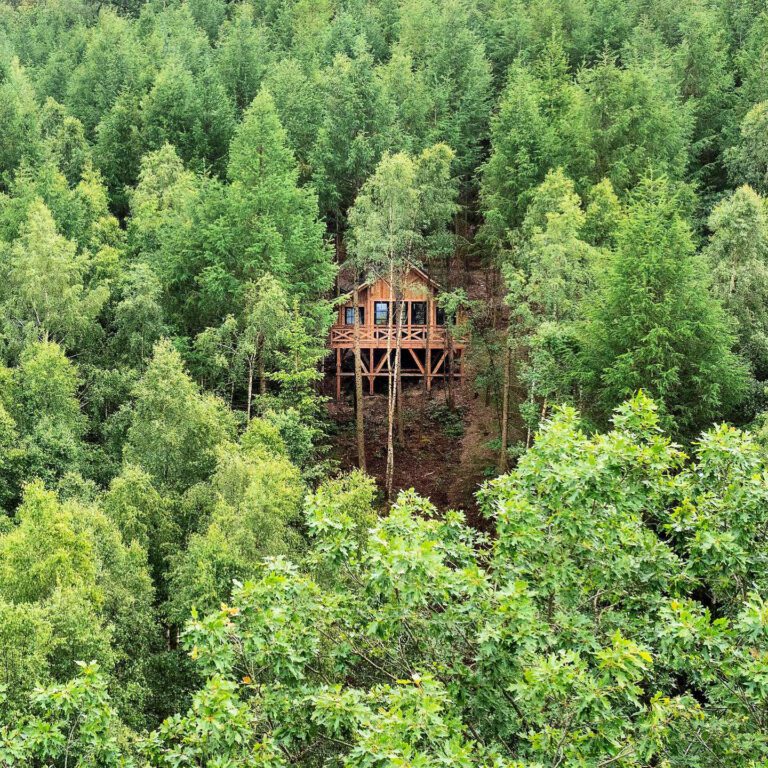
(404, 203)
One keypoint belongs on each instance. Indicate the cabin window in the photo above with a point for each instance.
(349, 315)
(418, 313)
(381, 312)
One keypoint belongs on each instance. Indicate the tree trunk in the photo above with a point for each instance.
(449, 381)
(250, 386)
(427, 352)
(359, 416)
(391, 397)
(503, 456)
(398, 370)
(262, 374)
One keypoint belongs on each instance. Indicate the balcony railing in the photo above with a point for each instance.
(379, 335)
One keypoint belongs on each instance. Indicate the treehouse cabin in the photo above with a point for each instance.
(431, 350)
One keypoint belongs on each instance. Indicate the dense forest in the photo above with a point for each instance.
(186, 576)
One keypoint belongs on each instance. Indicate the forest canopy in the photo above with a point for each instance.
(187, 190)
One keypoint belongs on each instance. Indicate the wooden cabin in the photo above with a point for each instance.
(429, 351)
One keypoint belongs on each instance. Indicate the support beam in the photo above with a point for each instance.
(384, 359)
(440, 362)
(371, 376)
(416, 360)
(338, 375)
(428, 370)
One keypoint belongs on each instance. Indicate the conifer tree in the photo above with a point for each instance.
(19, 129)
(655, 323)
(243, 56)
(111, 63)
(354, 132)
(276, 220)
(748, 160)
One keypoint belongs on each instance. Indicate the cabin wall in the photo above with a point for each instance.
(417, 289)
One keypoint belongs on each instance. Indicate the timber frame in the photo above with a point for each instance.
(430, 350)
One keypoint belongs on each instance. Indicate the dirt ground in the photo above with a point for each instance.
(446, 455)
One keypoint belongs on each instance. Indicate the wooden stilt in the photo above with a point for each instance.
(428, 367)
(338, 375)
(372, 376)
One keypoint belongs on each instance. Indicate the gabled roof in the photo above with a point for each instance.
(412, 268)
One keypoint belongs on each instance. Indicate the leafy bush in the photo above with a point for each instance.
(617, 616)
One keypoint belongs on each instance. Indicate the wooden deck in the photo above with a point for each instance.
(380, 336)
(427, 351)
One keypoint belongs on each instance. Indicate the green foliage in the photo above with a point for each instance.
(277, 218)
(64, 566)
(18, 119)
(257, 499)
(611, 121)
(144, 516)
(549, 273)
(241, 348)
(171, 176)
(602, 215)
(749, 158)
(402, 212)
(74, 723)
(576, 635)
(523, 149)
(449, 420)
(656, 324)
(174, 429)
(42, 409)
(738, 253)
(111, 62)
(353, 133)
(448, 56)
(634, 120)
(243, 56)
(192, 114)
(44, 291)
(138, 316)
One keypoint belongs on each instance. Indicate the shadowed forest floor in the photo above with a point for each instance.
(446, 455)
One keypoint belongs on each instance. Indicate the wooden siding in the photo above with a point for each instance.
(431, 353)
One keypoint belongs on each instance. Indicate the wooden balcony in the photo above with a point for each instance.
(381, 336)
